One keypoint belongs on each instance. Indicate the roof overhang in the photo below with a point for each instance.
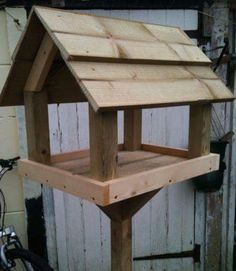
(114, 64)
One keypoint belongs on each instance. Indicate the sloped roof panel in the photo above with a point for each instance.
(114, 64)
(118, 85)
(83, 36)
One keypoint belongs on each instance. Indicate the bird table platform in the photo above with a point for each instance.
(67, 57)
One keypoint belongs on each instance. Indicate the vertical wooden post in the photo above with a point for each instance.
(199, 144)
(121, 231)
(37, 126)
(132, 129)
(37, 129)
(103, 145)
(103, 159)
(121, 245)
(199, 130)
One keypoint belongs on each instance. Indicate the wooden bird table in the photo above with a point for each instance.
(76, 58)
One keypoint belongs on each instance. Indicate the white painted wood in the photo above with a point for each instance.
(15, 30)
(190, 19)
(229, 193)
(229, 187)
(229, 209)
(217, 204)
(142, 246)
(12, 184)
(4, 48)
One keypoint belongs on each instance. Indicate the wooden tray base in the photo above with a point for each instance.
(145, 170)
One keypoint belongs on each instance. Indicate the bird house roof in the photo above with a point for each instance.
(111, 63)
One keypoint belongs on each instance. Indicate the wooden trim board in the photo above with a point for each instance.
(165, 150)
(77, 185)
(68, 156)
(130, 186)
(105, 193)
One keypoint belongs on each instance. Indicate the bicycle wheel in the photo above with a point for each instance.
(27, 261)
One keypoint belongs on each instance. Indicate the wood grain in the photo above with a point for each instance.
(138, 177)
(119, 95)
(37, 126)
(116, 64)
(124, 71)
(69, 156)
(79, 186)
(117, 38)
(77, 47)
(199, 130)
(92, 25)
(165, 150)
(103, 145)
(121, 188)
(121, 245)
(132, 129)
(41, 65)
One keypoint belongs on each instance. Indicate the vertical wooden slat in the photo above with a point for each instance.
(37, 126)
(199, 130)
(132, 129)
(103, 145)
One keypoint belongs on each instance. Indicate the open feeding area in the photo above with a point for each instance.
(138, 172)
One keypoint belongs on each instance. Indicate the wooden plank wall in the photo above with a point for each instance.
(219, 206)
(166, 224)
(9, 147)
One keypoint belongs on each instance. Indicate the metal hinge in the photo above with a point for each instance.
(195, 254)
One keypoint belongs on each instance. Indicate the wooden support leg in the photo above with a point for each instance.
(127, 208)
(37, 127)
(121, 245)
(199, 144)
(199, 130)
(103, 145)
(103, 159)
(132, 129)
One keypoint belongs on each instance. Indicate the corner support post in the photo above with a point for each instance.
(199, 130)
(103, 145)
(37, 126)
(132, 129)
(103, 163)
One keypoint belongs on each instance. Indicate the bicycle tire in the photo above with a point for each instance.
(37, 263)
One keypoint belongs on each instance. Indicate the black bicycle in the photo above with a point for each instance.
(12, 254)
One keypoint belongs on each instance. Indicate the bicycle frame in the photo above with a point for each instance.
(8, 238)
(12, 253)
